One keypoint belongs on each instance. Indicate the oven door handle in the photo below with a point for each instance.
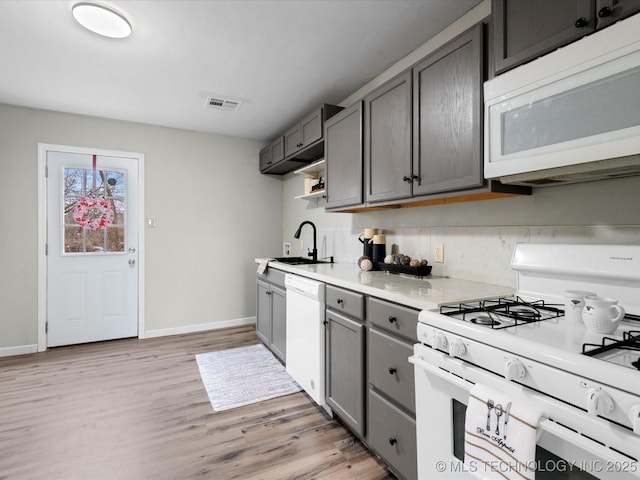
(544, 425)
(457, 381)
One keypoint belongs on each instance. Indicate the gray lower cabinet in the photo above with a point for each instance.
(271, 312)
(391, 385)
(387, 141)
(447, 117)
(345, 362)
(343, 157)
(392, 433)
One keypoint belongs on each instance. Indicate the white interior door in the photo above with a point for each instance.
(92, 247)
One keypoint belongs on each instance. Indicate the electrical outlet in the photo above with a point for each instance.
(286, 249)
(301, 244)
(438, 253)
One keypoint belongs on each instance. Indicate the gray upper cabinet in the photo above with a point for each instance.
(343, 157)
(300, 145)
(610, 11)
(307, 132)
(271, 155)
(387, 141)
(524, 29)
(447, 122)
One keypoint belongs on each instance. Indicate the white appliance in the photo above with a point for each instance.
(523, 346)
(305, 335)
(572, 115)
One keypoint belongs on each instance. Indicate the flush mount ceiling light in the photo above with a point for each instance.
(101, 20)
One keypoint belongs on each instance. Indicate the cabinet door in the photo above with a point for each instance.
(311, 128)
(343, 155)
(263, 312)
(277, 150)
(392, 433)
(345, 369)
(266, 159)
(292, 140)
(278, 323)
(525, 29)
(610, 11)
(387, 141)
(448, 117)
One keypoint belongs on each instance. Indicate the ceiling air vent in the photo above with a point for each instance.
(222, 104)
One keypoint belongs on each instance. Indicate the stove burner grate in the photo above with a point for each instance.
(630, 342)
(488, 312)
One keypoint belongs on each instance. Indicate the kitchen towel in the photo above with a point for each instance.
(500, 435)
(264, 264)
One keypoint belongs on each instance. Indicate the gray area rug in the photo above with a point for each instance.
(241, 376)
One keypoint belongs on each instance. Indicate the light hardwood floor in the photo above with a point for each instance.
(136, 409)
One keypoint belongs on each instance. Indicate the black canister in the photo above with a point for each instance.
(365, 238)
(379, 250)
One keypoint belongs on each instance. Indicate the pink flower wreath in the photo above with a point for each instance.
(93, 213)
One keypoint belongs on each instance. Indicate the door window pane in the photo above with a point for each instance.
(94, 210)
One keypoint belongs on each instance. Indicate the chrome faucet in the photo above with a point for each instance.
(314, 253)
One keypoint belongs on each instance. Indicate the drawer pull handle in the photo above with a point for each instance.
(340, 301)
(392, 371)
(392, 441)
(392, 319)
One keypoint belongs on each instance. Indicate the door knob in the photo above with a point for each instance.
(132, 262)
(132, 250)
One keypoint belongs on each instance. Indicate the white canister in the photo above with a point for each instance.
(574, 304)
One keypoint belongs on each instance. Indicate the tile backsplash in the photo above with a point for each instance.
(474, 253)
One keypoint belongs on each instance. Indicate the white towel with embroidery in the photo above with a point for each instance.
(500, 435)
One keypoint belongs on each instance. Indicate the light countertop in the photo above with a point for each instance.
(425, 294)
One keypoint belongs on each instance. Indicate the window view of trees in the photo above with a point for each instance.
(79, 183)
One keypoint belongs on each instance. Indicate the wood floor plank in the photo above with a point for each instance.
(137, 409)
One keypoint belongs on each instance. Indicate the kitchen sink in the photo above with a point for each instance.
(300, 260)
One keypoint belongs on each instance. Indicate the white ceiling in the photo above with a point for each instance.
(280, 58)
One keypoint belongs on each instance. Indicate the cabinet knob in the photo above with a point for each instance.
(392, 319)
(267, 292)
(324, 322)
(340, 301)
(407, 179)
(604, 12)
(392, 371)
(392, 441)
(581, 22)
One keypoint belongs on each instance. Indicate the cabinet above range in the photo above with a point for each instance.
(299, 145)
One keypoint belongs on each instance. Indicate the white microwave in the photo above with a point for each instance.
(570, 116)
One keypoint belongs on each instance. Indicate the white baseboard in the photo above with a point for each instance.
(19, 350)
(200, 327)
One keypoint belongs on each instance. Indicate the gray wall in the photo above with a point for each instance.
(214, 211)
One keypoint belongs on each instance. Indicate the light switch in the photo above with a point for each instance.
(151, 222)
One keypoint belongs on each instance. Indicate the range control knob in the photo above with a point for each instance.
(514, 370)
(634, 416)
(457, 348)
(598, 402)
(439, 341)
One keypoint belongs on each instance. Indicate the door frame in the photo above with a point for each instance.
(43, 148)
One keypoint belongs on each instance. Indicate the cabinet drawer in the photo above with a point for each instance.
(272, 276)
(392, 434)
(345, 301)
(393, 318)
(389, 368)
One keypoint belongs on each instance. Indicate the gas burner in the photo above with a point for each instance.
(524, 312)
(484, 319)
(622, 352)
(636, 364)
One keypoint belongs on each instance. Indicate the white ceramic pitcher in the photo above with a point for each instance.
(601, 315)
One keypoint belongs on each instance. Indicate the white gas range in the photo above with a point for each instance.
(586, 385)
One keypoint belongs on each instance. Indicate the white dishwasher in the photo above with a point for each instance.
(305, 335)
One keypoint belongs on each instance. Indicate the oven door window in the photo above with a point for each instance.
(550, 466)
